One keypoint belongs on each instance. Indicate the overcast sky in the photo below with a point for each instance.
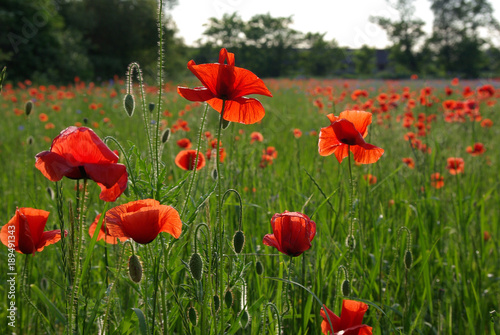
(346, 21)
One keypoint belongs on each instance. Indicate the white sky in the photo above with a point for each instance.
(346, 21)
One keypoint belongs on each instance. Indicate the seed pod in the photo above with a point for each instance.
(165, 136)
(346, 288)
(228, 298)
(225, 123)
(135, 268)
(216, 303)
(196, 266)
(129, 104)
(151, 107)
(193, 316)
(408, 259)
(259, 268)
(238, 241)
(28, 107)
(245, 318)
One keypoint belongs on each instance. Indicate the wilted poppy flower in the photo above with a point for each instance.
(350, 320)
(187, 158)
(24, 232)
(103, 233)
(409, 161)
(226, 82)
(455, 165)
(256, 137)
(437, 180)
(292, 233)
(143, 220)
(347, 131)
(476, 150)
(78, 153)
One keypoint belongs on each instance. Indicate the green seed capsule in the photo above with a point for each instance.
(129, 104)
(259, 268)
(346, 288)
(165, 136)
(228, 298)
(193, 316)
(238, 241)
(28, 107)
(135, 268)
(196, 266)
(408, 259)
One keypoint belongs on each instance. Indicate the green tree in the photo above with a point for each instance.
(364, 60)
(320, 57)
(405, 33)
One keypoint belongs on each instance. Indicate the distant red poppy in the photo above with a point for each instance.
(455, 81)
(78, 153)
(187, 158)
(104, 232)
(409, 162)
(297, 133)
(371, 179)
(437, 180)
(226, 82)
(347, 131)
(414, 77)
(256, 137)
(486, 123)
(476, 150)
(24, 232)
(292, 233)
(222, 154)
(184, 143)
(350, 320)
(143, 220)
(43, 117)
(455, 165)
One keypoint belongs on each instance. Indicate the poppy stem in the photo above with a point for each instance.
(219, 217)
(158, 108)
(351, 190)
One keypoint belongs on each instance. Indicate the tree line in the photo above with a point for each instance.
(56, 40)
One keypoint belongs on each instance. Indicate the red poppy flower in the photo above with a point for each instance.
(256, 137)
(347, 131)
(371, 179)
(350, 320)
(486, 123)
(143, 220)
(24, 232)
(409, 161)
(476, 150)
(187, 158)
(297, 133)
(78, 153)
(229, 83)
(292, 233)
(184, 143)
(437, 180)
(455, 165)
(104, 232)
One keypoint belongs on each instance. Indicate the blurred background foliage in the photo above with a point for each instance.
(57, 40)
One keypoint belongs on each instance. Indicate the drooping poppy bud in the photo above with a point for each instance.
(129, 104)
(196, 266)
(238, 241)
(135, 268)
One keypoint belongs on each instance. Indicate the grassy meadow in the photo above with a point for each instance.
(423, 255)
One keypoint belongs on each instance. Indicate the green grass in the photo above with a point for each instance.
(452, 286)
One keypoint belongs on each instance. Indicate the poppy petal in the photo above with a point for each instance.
(360, 119)
(325, 325)
(270, 240)
(110, 194)
(142, 226)
(242, 110)
(48, 238)
(224, 55)
(366, 154)
(207, 74)
(195, 94)
(346, 132)
(328, 141)
(245, 82)
(108, 174)
(170, 221)
(54, 167)
(352, 313)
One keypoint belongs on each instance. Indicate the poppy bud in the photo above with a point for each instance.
(50, 191)
(85, 120)
(346, 288)
(245, 318)
(135, 268)
(30, 140)
(408, 259)
(214, 174)
(129, 104)
(165, 136)
(44, 284)
(28, 107)
(151, 107)
(216, 303)
(196, 266)
(193, 315)
(238, 241)
(228, 298)
(259, 268)
(225, 123)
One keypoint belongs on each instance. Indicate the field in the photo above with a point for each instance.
(422, 250)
